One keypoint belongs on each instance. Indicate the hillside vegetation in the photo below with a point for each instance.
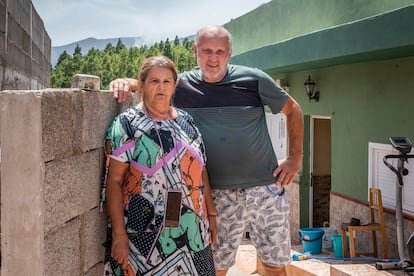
(118, 61)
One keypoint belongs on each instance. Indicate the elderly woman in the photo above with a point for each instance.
(157, 191)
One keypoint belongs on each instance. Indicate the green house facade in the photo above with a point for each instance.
(360, 53)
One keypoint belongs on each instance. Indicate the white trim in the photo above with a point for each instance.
(311, 140)
(321, 117)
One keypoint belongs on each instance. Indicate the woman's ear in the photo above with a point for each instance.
(139, 86)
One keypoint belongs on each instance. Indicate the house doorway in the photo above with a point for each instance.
(320, 170)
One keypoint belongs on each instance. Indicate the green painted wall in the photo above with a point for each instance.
(280, 20)
(368, 102)
(385, 36)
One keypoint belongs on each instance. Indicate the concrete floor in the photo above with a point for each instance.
(246, 265)
(237, 271)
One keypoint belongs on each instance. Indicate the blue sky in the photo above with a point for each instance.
(67, 21)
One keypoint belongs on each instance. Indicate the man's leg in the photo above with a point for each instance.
(268, 212)
(230, 221)
(266, 270)
(221, 272)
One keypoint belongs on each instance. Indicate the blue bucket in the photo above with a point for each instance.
(311, 240)
(337, 245)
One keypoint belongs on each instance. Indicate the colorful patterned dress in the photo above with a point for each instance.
(162, 155)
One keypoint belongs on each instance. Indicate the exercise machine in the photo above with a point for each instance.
(405, 249)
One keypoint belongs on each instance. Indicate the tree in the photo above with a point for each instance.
(92, 62)
(62, 76)
(78, 50)
(113, 62)
(109, 49)
(119, 46)
(107, 72)
(167, 49)
(188, 44)
(62, 57)
(152, 51)
(77, 59)
(160, 45)
(176, 41)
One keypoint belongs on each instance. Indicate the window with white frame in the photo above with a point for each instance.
(380, 176)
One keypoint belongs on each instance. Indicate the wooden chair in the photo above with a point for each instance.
(375, 206)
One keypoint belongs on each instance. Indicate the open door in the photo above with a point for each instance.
(320, 170)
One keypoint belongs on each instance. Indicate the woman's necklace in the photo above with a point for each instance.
(166, 116)
(157, 131)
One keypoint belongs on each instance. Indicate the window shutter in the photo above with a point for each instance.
(276, 125)
(380, 176)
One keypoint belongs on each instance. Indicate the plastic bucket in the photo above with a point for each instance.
(337, 245)
(327, 236)
(311, 240)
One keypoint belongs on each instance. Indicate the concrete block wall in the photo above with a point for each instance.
(52, 157)
(25, 47)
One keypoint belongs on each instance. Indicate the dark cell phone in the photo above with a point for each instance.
(173, 209)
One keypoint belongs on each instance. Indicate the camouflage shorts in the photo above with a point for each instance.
(264, 211)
